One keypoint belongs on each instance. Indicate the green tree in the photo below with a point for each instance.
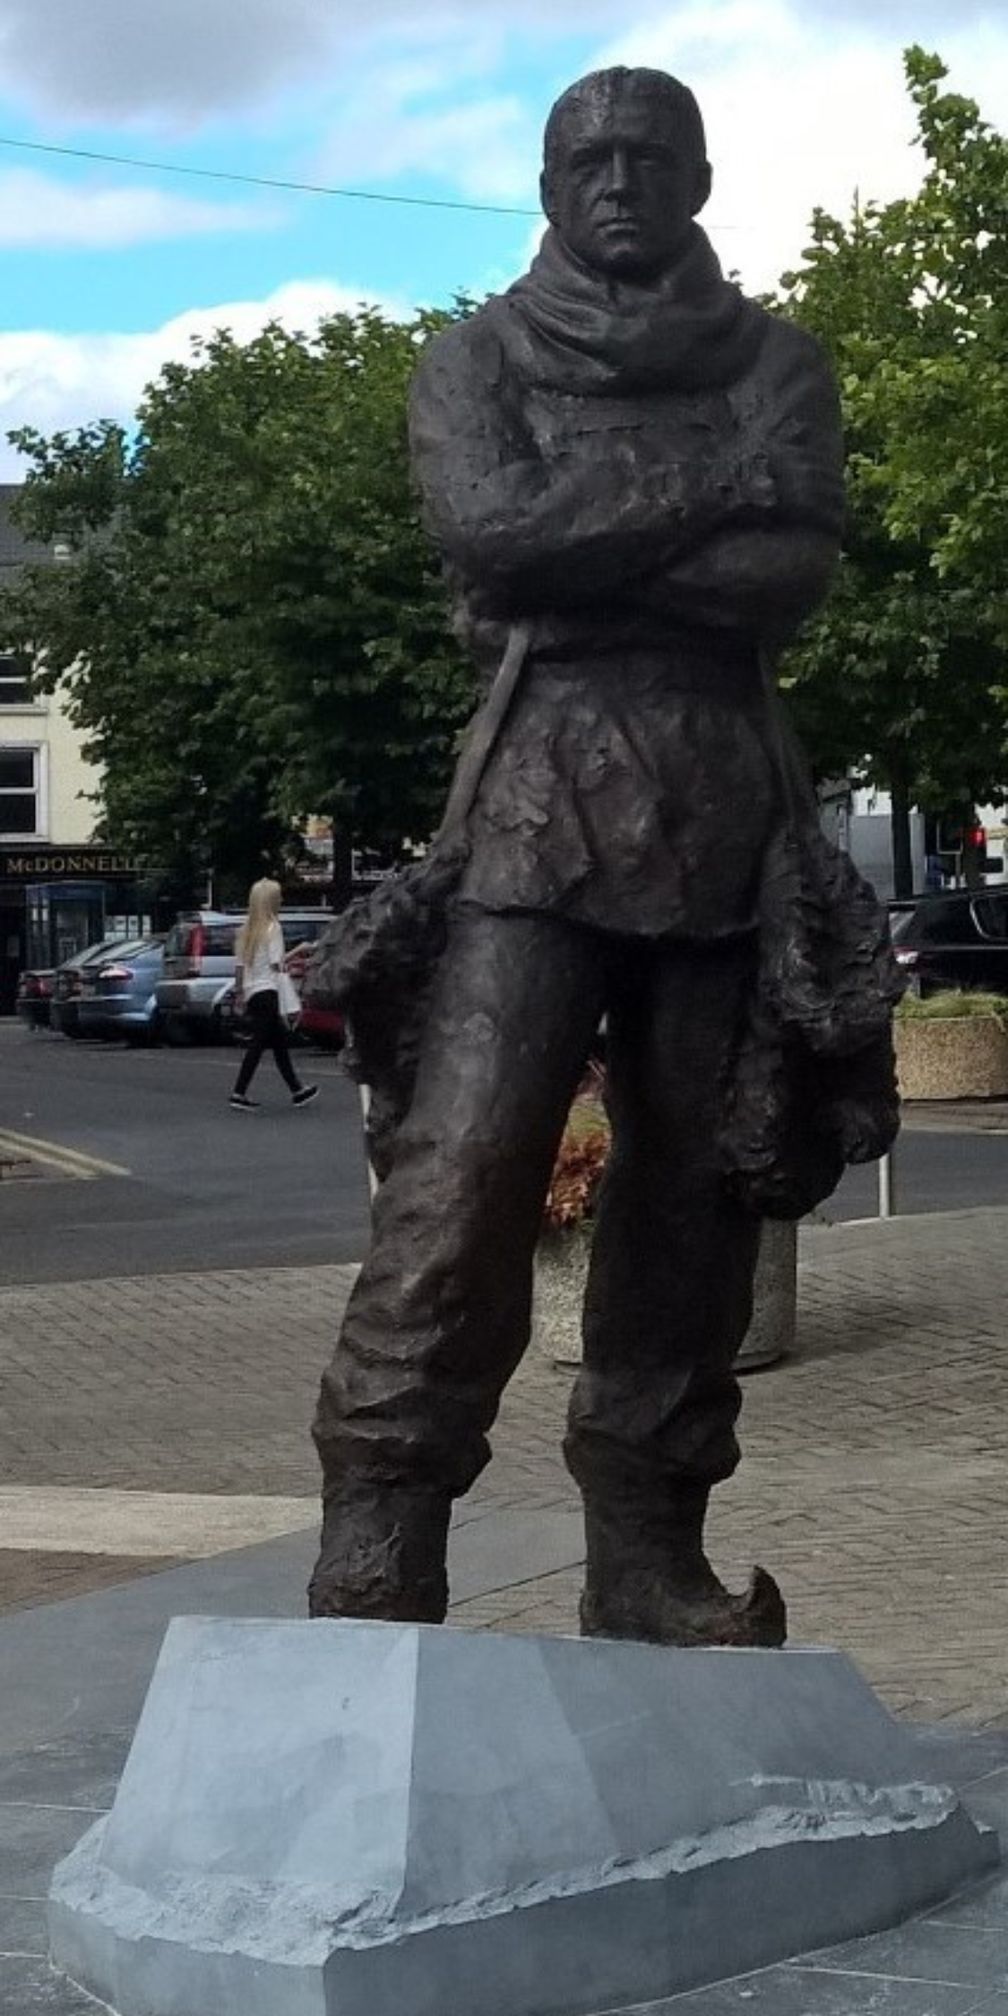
(900, 680)
(251, 626)
(949, 445)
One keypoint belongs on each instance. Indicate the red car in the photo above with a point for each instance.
(323, 1026)
(34, 994)
(320, 1025)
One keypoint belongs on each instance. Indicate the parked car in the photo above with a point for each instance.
(323, 1026)
(118, 995)
(68, 982)
(34, 996)
(195, 996)
(955, 938)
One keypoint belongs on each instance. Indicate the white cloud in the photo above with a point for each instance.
(38, 210)
(487, 149)
(127, 58)
(805, 102)
(53, 382)
(188, 59)
(793, 121)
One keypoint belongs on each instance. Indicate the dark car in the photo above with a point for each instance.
(68, 984)
(958, 938)
(34, 996)
(117, 994)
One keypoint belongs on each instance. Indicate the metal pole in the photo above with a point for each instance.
(365, 1103)
(886, 1188)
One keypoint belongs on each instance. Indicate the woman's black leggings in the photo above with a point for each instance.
(269, 1032)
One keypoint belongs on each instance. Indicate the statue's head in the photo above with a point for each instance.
(625, 170)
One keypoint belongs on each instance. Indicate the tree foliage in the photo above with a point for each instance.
(251, 626)
(901, 678)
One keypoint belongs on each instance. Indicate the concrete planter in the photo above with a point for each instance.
(771, 1334)
(953, 1057)
(561, 1271)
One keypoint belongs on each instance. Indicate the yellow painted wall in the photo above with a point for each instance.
(69, 817)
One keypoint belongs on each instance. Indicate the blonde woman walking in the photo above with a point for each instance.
(258, 975)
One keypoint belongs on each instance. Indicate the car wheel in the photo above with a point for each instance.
(178, 1033)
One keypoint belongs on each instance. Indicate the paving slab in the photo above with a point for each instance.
(873, 1468)
(873, 1483)
(54, 1518)
(73, 1677)
(793, 1991)
(30, 1577)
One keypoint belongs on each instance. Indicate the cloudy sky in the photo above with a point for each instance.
(108, 269)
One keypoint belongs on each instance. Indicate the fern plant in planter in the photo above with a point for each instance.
(564, 1249)
(561, 1263)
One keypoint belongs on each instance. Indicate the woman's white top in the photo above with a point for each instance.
(257, 972)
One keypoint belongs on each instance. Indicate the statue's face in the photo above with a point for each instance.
(622, 187)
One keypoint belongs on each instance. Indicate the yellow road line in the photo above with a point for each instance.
(53, 1155)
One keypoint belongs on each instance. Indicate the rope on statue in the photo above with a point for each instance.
(377, 961)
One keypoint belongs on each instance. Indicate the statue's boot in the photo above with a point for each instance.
(647, 1577)
(383, 1554)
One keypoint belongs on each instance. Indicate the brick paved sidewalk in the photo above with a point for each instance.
(875, 1479)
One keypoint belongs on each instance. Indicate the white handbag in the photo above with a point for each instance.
(288, 998)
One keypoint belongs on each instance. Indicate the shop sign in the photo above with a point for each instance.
(55, 864)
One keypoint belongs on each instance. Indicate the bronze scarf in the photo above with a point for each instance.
(689, 330)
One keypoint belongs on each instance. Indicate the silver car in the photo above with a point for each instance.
(194, 993)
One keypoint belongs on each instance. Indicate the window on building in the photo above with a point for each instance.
(15, 685)
(19, 792)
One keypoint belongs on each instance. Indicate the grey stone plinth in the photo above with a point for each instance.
(771, 1334)
(343, 1819)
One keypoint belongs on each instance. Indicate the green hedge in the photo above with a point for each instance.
(956, 1002)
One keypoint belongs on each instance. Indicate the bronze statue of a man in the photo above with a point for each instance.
(635, 478)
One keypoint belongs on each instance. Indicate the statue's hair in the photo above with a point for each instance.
(672, 101)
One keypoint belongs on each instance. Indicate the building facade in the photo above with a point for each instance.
(59, 889)
(858, 819)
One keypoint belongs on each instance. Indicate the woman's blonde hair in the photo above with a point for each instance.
(263, 905)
